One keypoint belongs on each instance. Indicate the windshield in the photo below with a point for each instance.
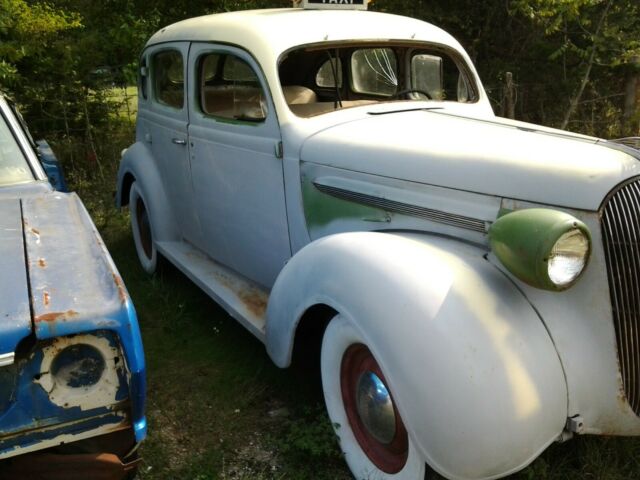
(318, 79)
(13, 164)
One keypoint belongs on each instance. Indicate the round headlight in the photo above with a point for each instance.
(545, 248)
(568, 258)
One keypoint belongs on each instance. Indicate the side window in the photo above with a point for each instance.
(168, 78)
(374, 71)
(326, 76)
(143, 76)
(230, 88)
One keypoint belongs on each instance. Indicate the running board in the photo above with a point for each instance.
(241, 298)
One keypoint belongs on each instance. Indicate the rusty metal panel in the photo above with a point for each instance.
(15, 318)
(73, 286)
(50, 466)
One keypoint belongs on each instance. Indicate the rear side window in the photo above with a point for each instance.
(168, 78)
(230, 88)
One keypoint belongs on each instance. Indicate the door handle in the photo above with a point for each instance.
(179, 141)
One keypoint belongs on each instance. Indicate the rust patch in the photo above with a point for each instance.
(252, 298)
(46, 299)
(42, 263)
(122, 292)
(56, 316)
(51, 466)
(35, 231)
(254, 301)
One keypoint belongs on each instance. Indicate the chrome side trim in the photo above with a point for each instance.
(7, 359)
(394, 206)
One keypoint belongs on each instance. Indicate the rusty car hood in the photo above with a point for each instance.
(15, 315)
(489, 156)
(57, 278)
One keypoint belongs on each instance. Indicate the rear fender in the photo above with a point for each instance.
(472, 368)
(139, 165)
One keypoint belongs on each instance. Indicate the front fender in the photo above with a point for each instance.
(138, 165)
(472, 368)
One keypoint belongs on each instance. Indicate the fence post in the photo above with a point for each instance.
(510, 96)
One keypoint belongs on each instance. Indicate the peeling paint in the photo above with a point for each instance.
(69, 386)
(122, 291)
(55, 316)
(46, 298)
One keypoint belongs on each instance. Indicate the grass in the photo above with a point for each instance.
(219, 409)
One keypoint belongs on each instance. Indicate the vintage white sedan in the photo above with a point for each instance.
(473, 283)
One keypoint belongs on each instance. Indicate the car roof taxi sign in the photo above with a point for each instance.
(332, 4)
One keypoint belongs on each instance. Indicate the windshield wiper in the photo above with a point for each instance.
(405, 110)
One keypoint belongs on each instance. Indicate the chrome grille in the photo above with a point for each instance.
(621, 237)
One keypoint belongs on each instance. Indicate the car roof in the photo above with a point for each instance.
(274, 31)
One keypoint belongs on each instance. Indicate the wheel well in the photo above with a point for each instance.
(308, 339)
(127, 181)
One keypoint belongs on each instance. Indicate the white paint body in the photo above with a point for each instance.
(485, 370)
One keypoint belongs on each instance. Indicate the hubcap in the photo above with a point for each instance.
(373, 417)
(375, 408)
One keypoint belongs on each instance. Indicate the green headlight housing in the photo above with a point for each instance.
(544, 248)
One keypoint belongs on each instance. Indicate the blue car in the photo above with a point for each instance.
(72, 371)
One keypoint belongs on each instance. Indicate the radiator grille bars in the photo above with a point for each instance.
(621, 237)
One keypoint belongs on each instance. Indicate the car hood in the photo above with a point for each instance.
(494, 157)
(57, 278)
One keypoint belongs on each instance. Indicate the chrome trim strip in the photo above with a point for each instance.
(7, 359)
(405, 208)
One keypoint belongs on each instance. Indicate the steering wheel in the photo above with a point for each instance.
(412, 90)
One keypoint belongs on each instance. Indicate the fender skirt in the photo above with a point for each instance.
(473, 371)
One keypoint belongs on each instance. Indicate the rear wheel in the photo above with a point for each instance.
(362, 409)
(142, 231)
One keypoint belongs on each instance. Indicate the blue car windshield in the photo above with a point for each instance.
(14, 168)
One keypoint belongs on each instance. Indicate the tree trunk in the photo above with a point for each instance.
(573, 104)
(631, 103)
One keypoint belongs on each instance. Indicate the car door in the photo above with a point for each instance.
(236, 167)
(163, 117)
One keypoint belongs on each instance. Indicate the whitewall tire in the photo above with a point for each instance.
(142, 231)
(372, 436)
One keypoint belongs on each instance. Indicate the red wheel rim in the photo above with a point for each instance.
(389, 457)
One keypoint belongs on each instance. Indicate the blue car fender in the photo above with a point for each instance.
(469, 362)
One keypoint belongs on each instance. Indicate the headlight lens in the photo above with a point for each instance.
(568, 257)
(544, 248)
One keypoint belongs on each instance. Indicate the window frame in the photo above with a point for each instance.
(154, 84)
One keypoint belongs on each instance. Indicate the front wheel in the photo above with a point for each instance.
(141, 230)
(360, 404)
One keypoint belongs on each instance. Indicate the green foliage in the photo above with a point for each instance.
(310, 436)
(27, 31)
